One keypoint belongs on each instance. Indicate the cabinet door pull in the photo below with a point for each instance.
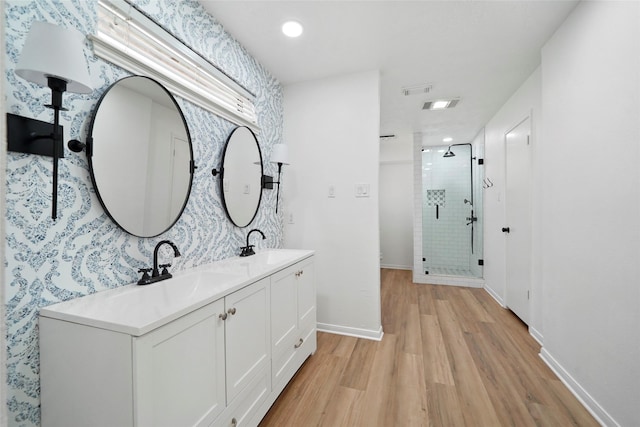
(234, 422)
(223, 316)
(299, 343)
(232, 311)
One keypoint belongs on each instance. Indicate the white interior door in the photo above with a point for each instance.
(518, 215)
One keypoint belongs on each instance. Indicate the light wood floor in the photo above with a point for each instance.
(450, 357)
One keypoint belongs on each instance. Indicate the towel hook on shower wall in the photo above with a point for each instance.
(486, 183)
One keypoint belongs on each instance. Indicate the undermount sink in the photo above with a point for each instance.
(189, 285)
(272, 257)
(179, 287)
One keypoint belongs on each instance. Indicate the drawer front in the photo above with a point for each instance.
(308, 347)
(288, 363)
(243, 409)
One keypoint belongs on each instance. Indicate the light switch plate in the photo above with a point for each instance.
(362, 190)
(332, 191)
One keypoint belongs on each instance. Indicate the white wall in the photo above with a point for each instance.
(332, 129)
(396, 202)
(591, 216)
(523, 103)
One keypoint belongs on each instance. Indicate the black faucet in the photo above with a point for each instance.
(156, 275)
(248, 250)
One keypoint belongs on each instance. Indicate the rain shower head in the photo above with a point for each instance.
(449, 153)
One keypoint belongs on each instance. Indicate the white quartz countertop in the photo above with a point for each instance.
(137, 310)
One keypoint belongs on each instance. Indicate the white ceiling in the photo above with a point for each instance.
(479, 51)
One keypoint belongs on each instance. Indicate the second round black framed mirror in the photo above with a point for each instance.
(241, 180)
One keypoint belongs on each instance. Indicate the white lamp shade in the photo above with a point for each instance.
(280, 154)
(53, 51)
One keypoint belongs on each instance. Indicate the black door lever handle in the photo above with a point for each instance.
(506, 230)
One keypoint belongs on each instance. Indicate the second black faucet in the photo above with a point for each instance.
(248, 250)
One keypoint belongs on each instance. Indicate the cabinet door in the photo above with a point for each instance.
(284, 310)
(180, 379)
(306, 295)
(247, 336)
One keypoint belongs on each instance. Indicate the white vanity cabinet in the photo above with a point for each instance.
(221, 363)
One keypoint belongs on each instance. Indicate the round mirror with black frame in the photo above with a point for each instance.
(241, 178)
(140, 156)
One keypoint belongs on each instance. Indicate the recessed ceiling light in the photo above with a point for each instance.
(447, 139)
(292, 29)
(440, 104)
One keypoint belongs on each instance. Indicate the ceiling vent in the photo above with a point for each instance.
(417, 90)
(440, 104)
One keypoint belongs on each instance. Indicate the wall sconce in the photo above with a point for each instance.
(280, 156)
(52, 56)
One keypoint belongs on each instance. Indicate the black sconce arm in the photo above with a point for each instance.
(268, 183)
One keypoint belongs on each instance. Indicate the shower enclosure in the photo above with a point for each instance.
(452, 211)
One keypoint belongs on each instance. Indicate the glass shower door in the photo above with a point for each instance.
(451, 211)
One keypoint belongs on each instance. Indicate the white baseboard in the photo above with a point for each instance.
(495, 296)
(536, 335)
(578, 391)
(396, 267)
(352, 332)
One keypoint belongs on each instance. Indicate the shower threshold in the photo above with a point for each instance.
(447, 271)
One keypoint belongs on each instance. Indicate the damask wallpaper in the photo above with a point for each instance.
(83, 251)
